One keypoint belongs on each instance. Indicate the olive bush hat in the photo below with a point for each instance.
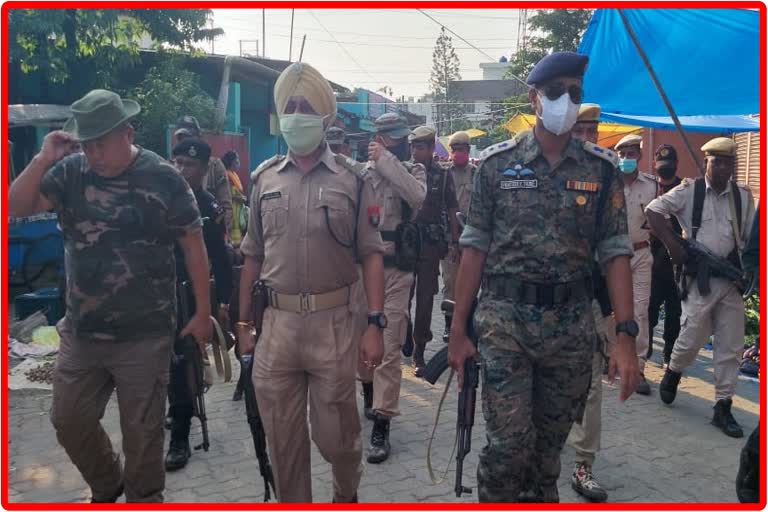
(98, 113)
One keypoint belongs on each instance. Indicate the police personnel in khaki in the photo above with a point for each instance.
(308, 227)
(400, 188)
(721, 312)
(462, 172)
(639, 191)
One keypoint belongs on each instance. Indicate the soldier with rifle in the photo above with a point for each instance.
(716, 216)
(186, 387)
(541, 205)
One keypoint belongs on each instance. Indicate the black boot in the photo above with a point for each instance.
(418, 360)
(724, 420)
(368, 400)
(179, 451)
(407, 348)
(668, 386)
(447, 333)
(379, 449)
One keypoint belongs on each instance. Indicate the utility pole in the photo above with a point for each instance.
(303, 40)
(290, 41)
(263, 33)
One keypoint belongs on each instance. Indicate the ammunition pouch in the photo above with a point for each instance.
(407, 238)
(434, 234)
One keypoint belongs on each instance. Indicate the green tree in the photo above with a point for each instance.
(445, 69)
(167, 92)
(555, 30)
(63, 42)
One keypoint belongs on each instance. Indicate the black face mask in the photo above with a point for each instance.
(667, 173)
(402, 151)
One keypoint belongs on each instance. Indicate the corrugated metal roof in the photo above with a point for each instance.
(38, 115)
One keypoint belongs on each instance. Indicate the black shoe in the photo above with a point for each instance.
(530, 496)
(418, 361)
(113, 498)
(724, 420)
(643, 388)
(668, 386)
(178, 454)
(585, 484)
(379, 449)
(368, 400)
(407, 347)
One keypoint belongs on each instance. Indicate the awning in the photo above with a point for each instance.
(608, 134)
(707, 61)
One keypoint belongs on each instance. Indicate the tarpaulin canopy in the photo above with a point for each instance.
(608, 134)
(707, 61)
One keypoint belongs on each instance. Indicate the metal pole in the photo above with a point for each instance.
(290, 41)
(303, 40)
(663, 95)
(241, 47)
(263, 33)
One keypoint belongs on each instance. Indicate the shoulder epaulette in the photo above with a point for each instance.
(266, 164)
(359, 169)
(604, 153)
(687, 182)
(498, 148)
(410, 166)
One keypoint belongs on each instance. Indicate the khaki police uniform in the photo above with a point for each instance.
(722, 311)
(392, 183)
(309, 230)
(638, 195)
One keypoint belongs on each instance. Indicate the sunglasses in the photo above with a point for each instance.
(554, 91)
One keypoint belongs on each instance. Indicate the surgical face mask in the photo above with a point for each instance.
(628, 165)
(558, 116)
(302, 132)
(666, 173)
(460, 158)
(402, 151)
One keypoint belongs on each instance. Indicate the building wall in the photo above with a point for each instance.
(748, 166)
(686, 168)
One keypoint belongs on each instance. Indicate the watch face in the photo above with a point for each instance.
(630, 327)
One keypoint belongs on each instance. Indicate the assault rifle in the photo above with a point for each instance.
(704, 264)
(260, 302)
(193, 353)
(465, 418)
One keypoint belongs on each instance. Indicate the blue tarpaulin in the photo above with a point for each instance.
(707, 61)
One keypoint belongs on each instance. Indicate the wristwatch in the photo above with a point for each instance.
(378, 319)
(629, 327)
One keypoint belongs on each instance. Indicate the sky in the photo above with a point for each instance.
(372, 48)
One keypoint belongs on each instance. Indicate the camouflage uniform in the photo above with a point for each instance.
(118, 331)
(537, 225)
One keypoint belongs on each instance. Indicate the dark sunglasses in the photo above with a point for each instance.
(554, 91)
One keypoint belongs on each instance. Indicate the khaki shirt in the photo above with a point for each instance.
(716, 231)
(462, 181)
(393, 183)
(303, 225)
(637, 196)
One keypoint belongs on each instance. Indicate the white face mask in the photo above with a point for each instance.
(560, 115)
(302, 132)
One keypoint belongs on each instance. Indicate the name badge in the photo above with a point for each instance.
(271, 195)
(516, 184)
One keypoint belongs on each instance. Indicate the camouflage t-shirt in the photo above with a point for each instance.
(539, 224)
(119, 235)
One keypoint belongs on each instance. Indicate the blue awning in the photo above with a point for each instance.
(707, 61)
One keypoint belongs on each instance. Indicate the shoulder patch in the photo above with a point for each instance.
(266, 164)
(687, 182)
(498, 148)
(357, 168)
(601, 152)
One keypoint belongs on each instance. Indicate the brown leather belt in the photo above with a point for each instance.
(307, 302)
(636, 246)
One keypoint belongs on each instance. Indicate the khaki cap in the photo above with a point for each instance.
(459, 138)
(720, 146)
(423, 134)
(629, 140)
(588, 113)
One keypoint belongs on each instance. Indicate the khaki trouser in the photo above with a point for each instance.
(585, 435)
(720, 313)
(86, 373)
(309, 356)
(450, 269)
(386, 377)
(641, 264)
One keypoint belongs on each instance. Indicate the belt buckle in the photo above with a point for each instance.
(545, 295)
(306, 303)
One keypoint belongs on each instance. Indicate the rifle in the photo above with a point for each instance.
(705, 264)
(194, 353)
(465, 418)
(260, 302)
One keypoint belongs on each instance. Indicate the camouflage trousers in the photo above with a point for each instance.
(536, 376)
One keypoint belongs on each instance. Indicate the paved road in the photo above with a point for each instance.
(650, 453)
